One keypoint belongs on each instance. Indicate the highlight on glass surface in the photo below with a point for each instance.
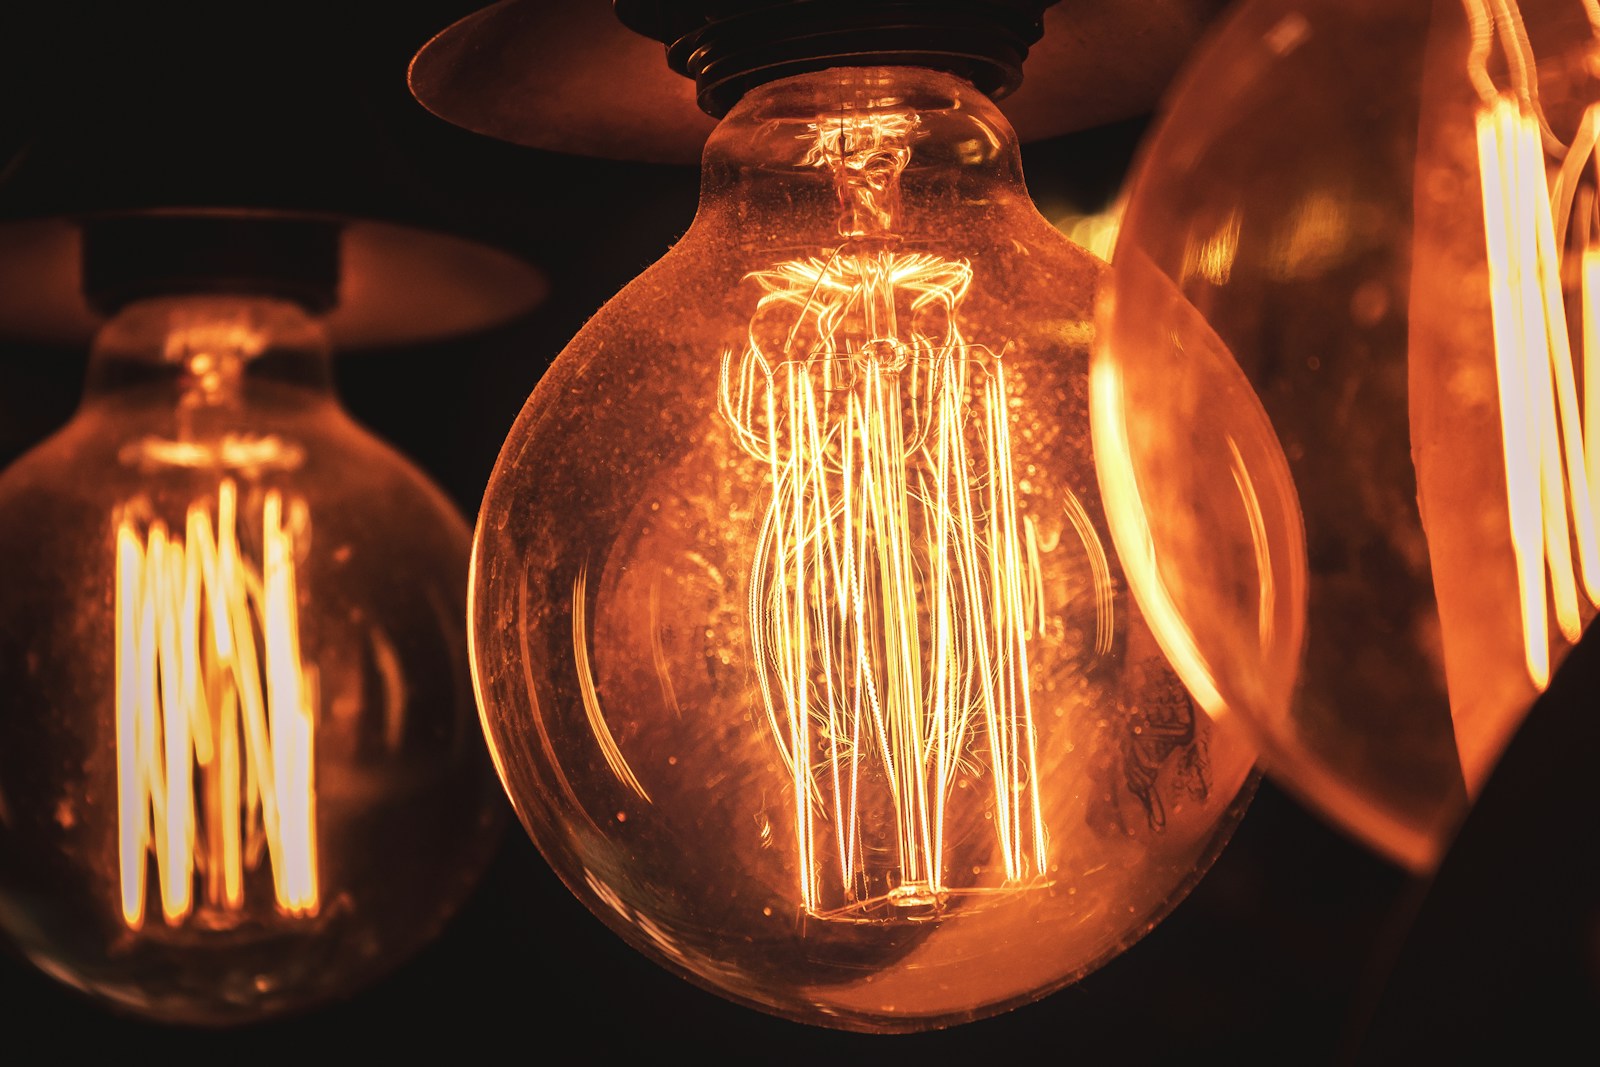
(1358, 272)
(795, 627)
(240, 772)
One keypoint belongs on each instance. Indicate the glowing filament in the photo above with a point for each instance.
(893, 591)
(215, 713)
(895, 584)
(1550, 486)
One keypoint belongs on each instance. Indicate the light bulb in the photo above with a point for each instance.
(1350, 374)
(239, 770)
(796, 631)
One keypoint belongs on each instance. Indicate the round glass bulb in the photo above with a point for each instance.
(1352, 375)
(795, 629)
(239, 766)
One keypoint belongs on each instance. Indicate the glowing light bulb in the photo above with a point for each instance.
(1367, 232)
(795, 629)
(239, 769)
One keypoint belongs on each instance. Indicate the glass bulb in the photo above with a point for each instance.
(239, 770)
(795, 629)
(1350, 367)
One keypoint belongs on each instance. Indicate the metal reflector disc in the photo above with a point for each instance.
(571, 78)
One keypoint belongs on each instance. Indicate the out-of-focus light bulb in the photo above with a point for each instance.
(1357, 270)
(239, 769)
(795, 629)
(1096, 230)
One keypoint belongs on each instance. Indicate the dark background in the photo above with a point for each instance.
(1299, 946)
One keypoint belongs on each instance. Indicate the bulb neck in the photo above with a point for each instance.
(859, 154)
(221, 353)
(730, 48)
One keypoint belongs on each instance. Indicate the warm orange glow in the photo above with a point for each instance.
(591, 697)
(1096, 231)
(1125, 510)
(1550, 443)
(1212, 258)
(215, 711)
(895, 584)
(1260, 542)
(886, 743)
(1591, 369)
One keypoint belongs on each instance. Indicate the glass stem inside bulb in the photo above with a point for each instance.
(895, 584)
(212, 355)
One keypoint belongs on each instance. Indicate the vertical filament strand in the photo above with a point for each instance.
(215, 713)
(1548, 443)
(895, 582)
